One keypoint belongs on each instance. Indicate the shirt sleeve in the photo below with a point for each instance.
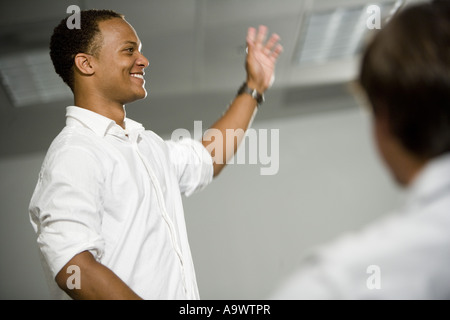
(312, 281)
(65, 209)
(193, 164)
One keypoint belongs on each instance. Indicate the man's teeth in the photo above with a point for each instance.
(137, 75)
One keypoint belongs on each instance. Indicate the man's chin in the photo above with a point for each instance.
(137, 96)
(143, 94)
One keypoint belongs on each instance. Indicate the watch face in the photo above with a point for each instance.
(257, 96)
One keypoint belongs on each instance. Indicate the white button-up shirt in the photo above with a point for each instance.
(405, 255)
(117, 193)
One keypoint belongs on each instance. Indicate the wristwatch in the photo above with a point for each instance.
(259, 97)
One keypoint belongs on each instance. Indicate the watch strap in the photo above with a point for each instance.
(259, 97)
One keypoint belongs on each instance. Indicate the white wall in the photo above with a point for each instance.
(21, 275)
(247, 231)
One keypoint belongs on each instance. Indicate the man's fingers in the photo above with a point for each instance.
(261, 36)
(272, 42)
(277, 51)
(257, 38)
(251, 36)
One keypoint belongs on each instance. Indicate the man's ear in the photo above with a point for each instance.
(382, 122)
(84, 64)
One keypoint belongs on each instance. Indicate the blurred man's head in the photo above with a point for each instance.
(405, 74)
(103, 56)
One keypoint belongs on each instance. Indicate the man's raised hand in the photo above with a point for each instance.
(262, 56)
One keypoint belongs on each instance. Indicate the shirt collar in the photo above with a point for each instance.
(99, 124)
(433, 181)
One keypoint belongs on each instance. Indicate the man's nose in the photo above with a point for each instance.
(143, 61)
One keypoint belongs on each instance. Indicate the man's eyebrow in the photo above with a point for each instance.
(134, 43)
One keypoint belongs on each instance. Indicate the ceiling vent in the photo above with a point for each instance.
(29, 78)
(338, 33)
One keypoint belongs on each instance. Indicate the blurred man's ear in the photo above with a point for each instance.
(402, 164)
(387, 147)
(381, 123)
(382, 130)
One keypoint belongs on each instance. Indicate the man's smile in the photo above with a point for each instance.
(139, 75)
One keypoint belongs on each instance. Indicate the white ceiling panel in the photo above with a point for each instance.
(153, 18)
(25, 12)
(226, 12)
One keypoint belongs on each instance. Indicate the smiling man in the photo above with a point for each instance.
(108, 198)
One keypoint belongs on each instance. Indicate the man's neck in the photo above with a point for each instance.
(111, 110)
(407, 167)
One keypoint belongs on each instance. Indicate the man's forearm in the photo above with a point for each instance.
(97, 282)
(236, 121)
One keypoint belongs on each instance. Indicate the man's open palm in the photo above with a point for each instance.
(262, 57)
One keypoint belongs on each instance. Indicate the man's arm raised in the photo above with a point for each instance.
(260, 66)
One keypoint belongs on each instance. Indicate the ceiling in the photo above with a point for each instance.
(196, 50)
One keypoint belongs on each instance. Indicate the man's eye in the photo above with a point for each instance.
(131, 50)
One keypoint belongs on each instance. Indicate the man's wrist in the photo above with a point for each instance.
(255, 85)
(247, 88)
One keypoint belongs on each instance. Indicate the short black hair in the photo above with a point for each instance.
(66, 43)
(405, 73)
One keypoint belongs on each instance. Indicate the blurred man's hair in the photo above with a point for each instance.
(66, 43)
(405, 73)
